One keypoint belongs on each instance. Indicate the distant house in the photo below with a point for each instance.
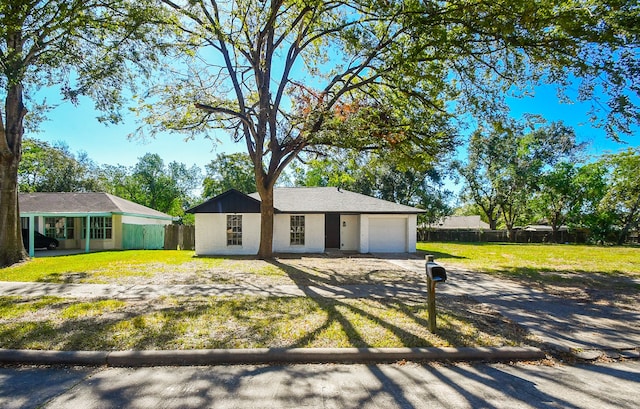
(543, 227)
(461, 223)
(92, 221)
(306, 220)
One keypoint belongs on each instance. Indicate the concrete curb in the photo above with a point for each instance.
(265, 356)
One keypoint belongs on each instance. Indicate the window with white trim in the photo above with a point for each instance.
(99, 227)
(297, 230)
(59, 227)
(234, 230)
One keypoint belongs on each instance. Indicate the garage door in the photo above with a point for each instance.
(388, 235)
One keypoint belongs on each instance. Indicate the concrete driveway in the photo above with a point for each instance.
(561, 323)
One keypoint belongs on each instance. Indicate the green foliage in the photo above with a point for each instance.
(505, 163)
(94, 48)
(46, 168)
(229, 171)
(387, 177)
(622, 199)
(569, 194)
(394, 77)
(167, 188)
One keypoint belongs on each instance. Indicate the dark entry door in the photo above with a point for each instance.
(332, 231)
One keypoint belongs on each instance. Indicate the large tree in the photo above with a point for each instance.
(623, 191)
(229, 171)
(81, 46)
(505, 163)
(169, 188)
(289, 76)
(568, 193)
(47, 168)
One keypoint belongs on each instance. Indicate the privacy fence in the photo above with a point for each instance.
(521, 236)
(179, 237)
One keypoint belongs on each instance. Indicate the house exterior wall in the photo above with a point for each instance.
(350, 232)
(314, 234)
(114, 243)
(211, 236)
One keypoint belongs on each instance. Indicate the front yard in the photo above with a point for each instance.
(239, 321)
(249, 321)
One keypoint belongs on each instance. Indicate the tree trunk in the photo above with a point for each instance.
(11, 248)
(266, 222)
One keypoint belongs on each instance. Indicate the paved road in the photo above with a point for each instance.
(325, 386)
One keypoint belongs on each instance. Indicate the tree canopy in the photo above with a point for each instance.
(287, 77)
(505, 164)
(229, 171)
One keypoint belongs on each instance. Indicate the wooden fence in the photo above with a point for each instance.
(521, 236)
(178, 236)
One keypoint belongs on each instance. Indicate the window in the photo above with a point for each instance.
(297, 230)
(58, 227)
(100, 228)
(234, 230)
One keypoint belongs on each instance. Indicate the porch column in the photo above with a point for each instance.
(32, 236)
(87, 234)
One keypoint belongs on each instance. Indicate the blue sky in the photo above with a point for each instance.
(78, 127)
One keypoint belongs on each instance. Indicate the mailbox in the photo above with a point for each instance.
(436, 272)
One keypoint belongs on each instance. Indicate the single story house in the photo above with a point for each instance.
(543, 227)
(92, 221)
(306, 220)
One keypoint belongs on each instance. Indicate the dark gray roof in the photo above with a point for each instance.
(331, 200)
(85, 202)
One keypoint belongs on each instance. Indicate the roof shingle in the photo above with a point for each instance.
(82, 202)
(331, 200)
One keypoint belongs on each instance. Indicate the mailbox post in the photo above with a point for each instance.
(435, 274)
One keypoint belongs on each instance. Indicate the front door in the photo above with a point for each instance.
(332, 231)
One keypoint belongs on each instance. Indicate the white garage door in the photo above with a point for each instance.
(387, 235)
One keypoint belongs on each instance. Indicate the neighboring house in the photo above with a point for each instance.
(544, 227)
(92, 221)
(461, 223)
(306, 220)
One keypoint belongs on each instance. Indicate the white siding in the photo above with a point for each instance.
(211, 234)
(314, 234)
(349, 232)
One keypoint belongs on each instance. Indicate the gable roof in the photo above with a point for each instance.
(231, 201)
(461, 222)
(313, 200)
(83, 203)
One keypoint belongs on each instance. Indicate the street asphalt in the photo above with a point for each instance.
(388, 386)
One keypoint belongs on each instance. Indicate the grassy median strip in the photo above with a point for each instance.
(244, 322)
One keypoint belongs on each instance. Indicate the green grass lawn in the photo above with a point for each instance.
(502, 257)
(119, 266)
(245, 322)
(251, 321)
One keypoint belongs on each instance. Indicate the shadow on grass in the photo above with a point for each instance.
(455, 328)
(439, 255)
